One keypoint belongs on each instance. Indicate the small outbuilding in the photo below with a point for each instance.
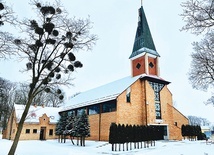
(40, 123)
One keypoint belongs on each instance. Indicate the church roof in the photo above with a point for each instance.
(37, 111)
(106, 92)
(143, 38)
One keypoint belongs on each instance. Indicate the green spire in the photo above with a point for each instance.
(143, 39)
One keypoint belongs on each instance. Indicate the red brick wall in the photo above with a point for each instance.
(153, 70)
(141, 70)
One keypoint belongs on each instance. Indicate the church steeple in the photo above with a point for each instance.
(143, 38)
(144, 56)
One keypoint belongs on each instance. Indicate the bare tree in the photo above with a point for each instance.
(49, 99)
(199, 18)
(202, 67)
(198, 15)
(6, 101)
(48, 47)
(194, 120)
(6, 16)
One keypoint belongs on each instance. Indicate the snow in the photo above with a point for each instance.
(52, 147)
(37, 111)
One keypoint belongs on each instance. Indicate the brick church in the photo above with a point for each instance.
(140, 99)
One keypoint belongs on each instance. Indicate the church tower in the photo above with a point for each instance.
(144, 57)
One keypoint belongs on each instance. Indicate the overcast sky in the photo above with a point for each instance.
(115, 23)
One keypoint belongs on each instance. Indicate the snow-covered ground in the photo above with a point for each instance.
(52, 147)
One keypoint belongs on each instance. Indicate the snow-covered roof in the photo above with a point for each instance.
(103, 93)
(37, 111)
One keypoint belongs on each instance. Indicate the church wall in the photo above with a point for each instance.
(100, 124)
(166, 99)
(171, 115)
(179, 120)
(94, 126)
(106, 120)
(131, 112)
(150, 103)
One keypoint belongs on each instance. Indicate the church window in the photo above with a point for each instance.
(138, 65)
(151, 65)
(80, 111)
(71, 113)
(157, 88)
(128, 95)
(94, 109)
(109, 106)
(157, 96)
(157, 107)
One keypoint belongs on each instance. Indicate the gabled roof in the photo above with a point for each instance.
(106, 92)
(37, 111)
(143, 39)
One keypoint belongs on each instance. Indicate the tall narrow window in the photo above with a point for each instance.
(157, 88)
(128, 95)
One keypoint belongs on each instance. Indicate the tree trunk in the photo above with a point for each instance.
(77, 141)
(84, 141)
(64, 137)
(81, 141)
(20, 126)
(72, 140)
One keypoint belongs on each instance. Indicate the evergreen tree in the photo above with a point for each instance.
(83, 128)
(127, 136)
(69, 129)
(123, 135)
(112, 135)
(183, 133)
(61, 126)
(119, 135)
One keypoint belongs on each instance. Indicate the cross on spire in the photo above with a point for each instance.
(141, 2)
